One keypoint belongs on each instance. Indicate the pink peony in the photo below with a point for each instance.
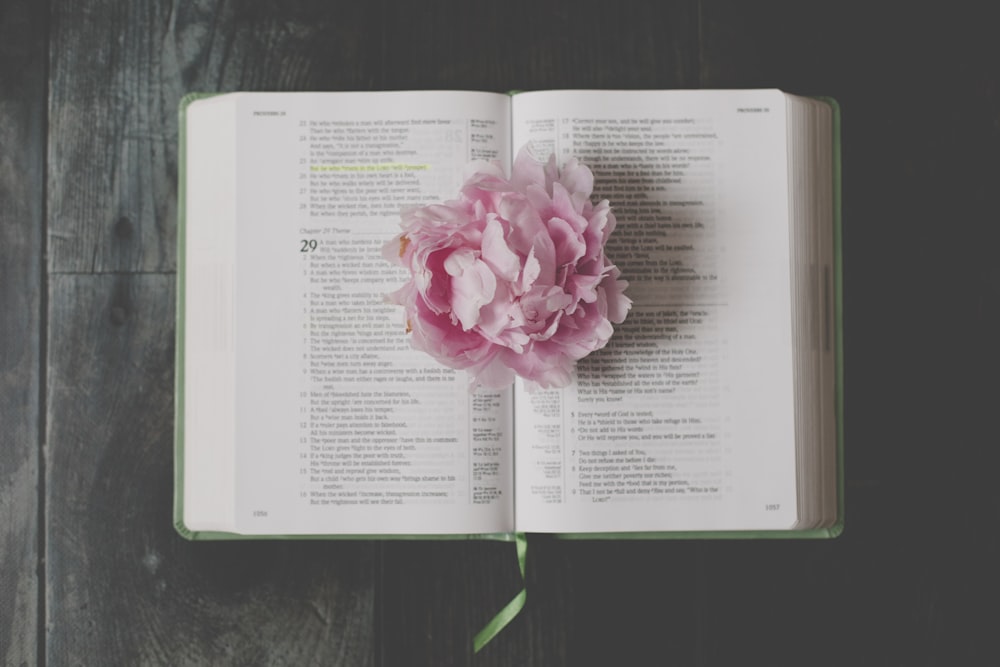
(511, 277)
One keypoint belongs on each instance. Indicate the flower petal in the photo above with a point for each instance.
(511, 276)
(494, 374)
(529, 274)
(577, 178)
(525, 223)
(569, 245)
(500, 258)
(614, 294)
(527, 170)
(473, 288)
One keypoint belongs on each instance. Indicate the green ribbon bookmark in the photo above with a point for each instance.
(512, 608)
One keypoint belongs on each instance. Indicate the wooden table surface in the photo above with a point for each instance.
(91, 570)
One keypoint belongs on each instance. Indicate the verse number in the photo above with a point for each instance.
(308, 245)
(772, 507)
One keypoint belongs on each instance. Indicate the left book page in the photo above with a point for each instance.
(304, 411)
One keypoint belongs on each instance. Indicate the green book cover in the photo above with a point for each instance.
(837, 324)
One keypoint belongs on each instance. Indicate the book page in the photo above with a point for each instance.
(341, 426)
(205, 347)
(685, 420)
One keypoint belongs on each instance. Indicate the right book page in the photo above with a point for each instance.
(685, 421)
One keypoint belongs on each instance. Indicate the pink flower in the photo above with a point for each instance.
(511, 277)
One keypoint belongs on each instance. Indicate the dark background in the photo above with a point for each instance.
(91, 571)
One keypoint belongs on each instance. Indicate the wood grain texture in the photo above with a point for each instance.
(435, 596)
(618, 602)
(22, 141)
(533, 44)
(123, 587)
(589, 603)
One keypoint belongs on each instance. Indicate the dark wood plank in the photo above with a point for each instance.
(123, 587)
(589, 602)
(544, 44)
(22, 138)
(624, 602)
(111, 149)
(437, 595)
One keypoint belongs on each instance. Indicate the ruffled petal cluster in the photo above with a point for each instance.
(511, 277)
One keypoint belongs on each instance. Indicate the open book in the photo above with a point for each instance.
(713, 410)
